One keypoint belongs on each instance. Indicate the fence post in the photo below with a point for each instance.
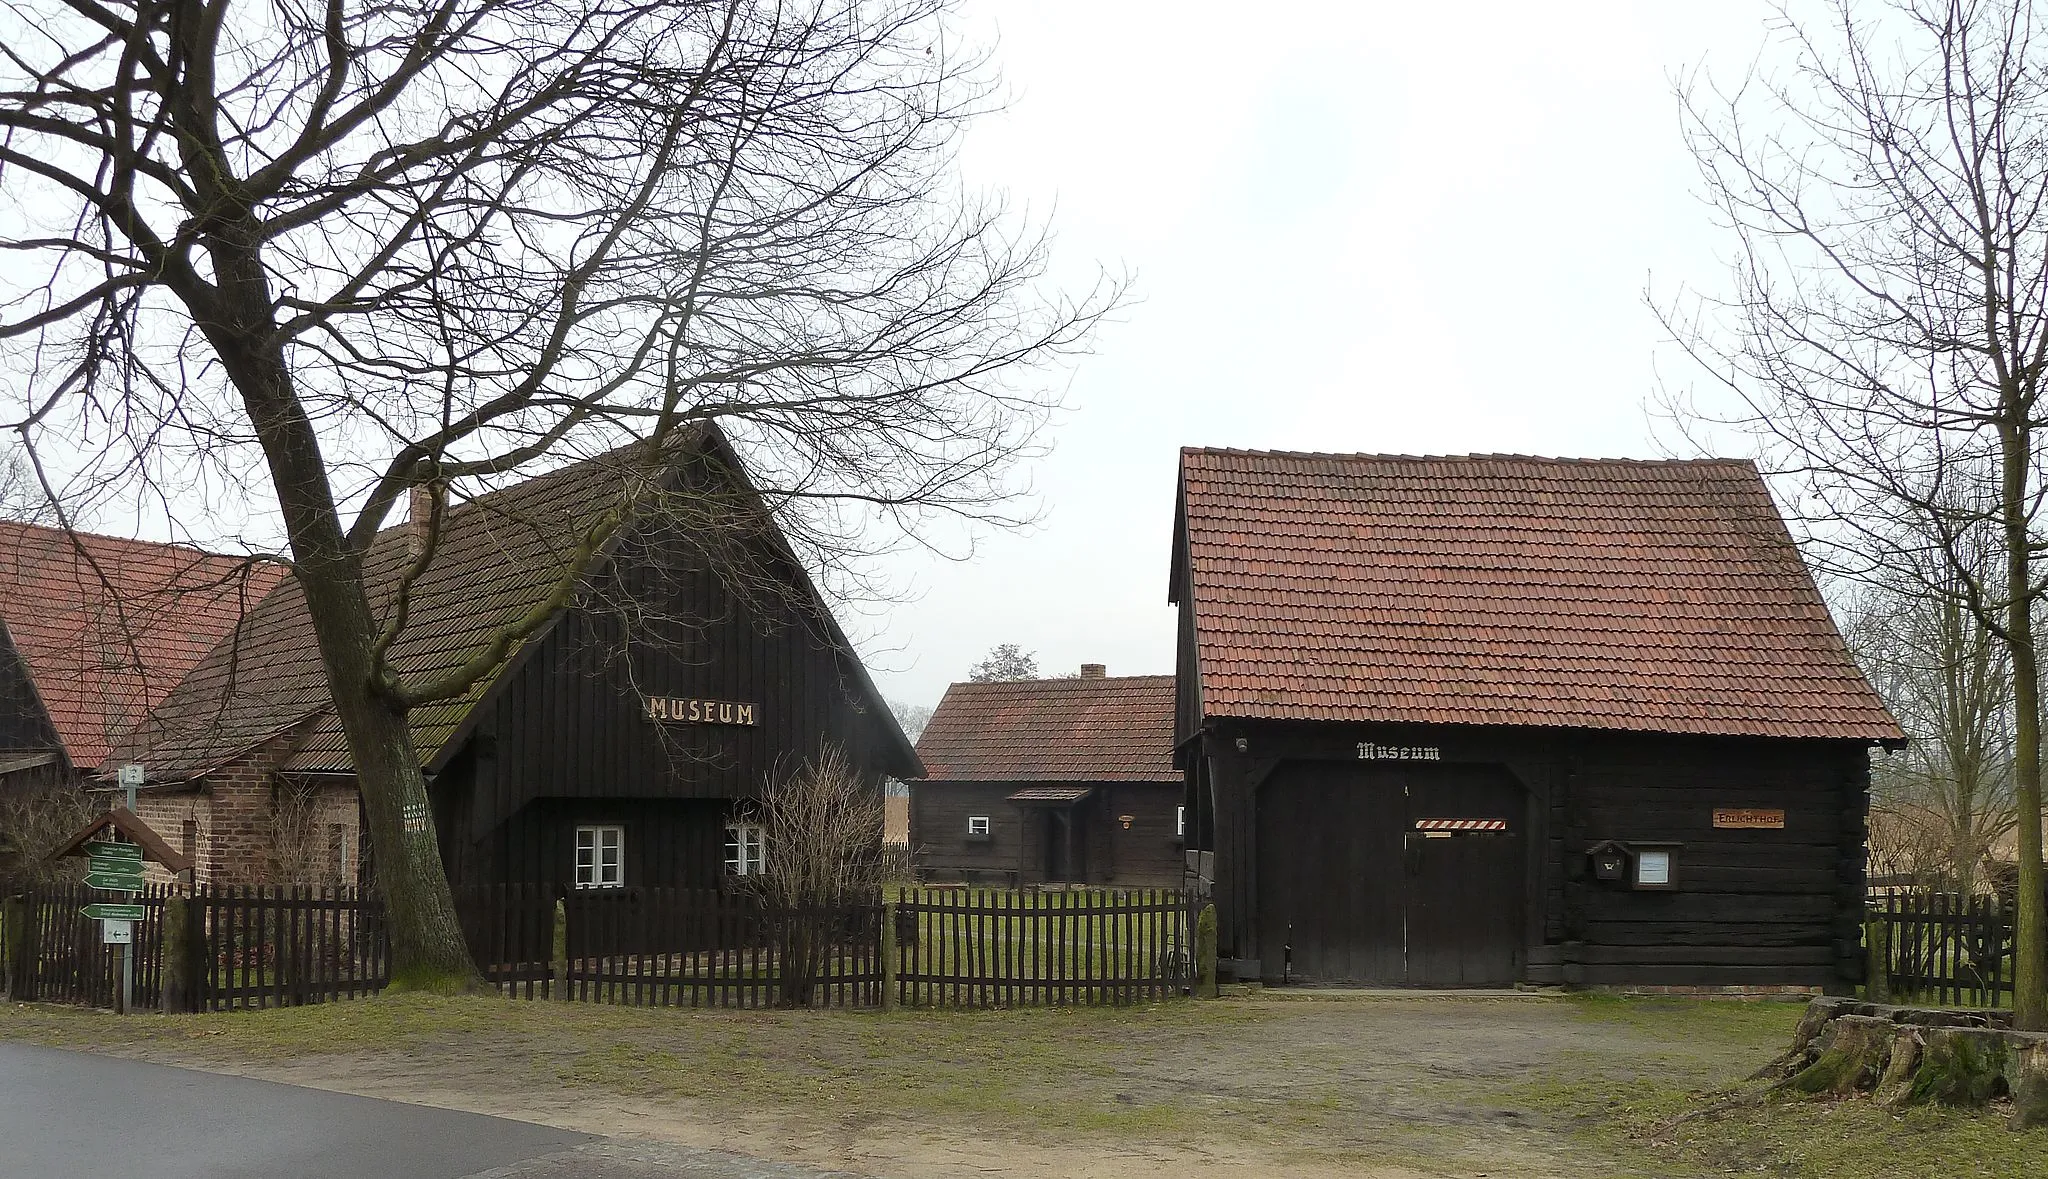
(1205, 953)
(888, 955)
(14, 925)
(1877, 941)
(180, 985)
(558, 954)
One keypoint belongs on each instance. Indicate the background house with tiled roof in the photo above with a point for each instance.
(97, 630)
(1495, 719)
(618, 746)
(1064, 780)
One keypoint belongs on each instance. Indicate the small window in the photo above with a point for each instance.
(600, 857)
(1180, 821)
(743, 847)
(977, 824)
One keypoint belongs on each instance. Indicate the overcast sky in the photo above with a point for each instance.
(1397, 228)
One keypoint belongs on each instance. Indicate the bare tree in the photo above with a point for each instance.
(821, 836)
(1005, 662)
(366, 249)
(912, 717)
(1945, 801)
(1885, 336)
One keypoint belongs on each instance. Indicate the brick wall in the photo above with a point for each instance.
(244, 820)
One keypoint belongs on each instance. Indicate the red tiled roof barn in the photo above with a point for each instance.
(1375, 648)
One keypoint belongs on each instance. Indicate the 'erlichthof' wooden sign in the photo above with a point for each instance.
(1741, 818)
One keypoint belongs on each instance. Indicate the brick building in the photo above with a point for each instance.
(97, 630)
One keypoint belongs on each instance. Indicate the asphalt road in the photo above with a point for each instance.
(73, 1114)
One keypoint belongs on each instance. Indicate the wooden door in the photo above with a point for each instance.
(1330, 874)
(1465, 880)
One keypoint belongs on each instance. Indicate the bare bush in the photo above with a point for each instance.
(33, 821)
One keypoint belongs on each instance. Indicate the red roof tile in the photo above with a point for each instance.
(1080, 730)
(108, 626)
(1500, 590)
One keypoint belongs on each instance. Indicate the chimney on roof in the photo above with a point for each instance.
(420, 522)
(1094, 671)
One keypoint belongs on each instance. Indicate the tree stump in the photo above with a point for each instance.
(1962, 1067)
(2026, 1076)
(1854, 1050)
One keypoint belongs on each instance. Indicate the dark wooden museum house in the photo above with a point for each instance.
(618, 746)
(1487, 720)
(1051, 781)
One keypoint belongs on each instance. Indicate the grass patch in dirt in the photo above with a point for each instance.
(1791, 1138)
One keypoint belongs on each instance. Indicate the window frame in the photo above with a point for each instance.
(597, 846)
(981, 832)
(745, 857)
(1180, 821)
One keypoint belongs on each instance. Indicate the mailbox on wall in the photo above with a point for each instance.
(1639, 865)
(1609, 860)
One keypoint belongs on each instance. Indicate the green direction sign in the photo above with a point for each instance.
(113, 853)
(107, 912)
(115, 881)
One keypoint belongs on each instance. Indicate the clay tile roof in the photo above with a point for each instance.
(1083, 730)
(107, 627)
(497, 556)
(1503, 590)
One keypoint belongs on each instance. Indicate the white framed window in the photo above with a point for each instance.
(977, 824)
(1180, 821)
(600, 857)
(743, 849)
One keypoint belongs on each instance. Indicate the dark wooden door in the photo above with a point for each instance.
(1350, 891)
(1330, 873)
(1465, 878)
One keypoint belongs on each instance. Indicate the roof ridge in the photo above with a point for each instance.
(132, 541)
(1476, 456)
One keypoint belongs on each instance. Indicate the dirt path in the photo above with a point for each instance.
(1389, 1088)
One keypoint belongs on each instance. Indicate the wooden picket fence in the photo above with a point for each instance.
(1002, 948)
(1945, 949)
(708, 948)
(58, 956)
(283, 946)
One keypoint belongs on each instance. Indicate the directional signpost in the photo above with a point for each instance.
(116, 845)
(116, 867)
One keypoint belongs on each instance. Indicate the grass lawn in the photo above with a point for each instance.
(1250, 1085)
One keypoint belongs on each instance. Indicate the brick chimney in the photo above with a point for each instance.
(424, 496)
(1094, 671)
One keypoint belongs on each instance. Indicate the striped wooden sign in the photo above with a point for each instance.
(1461, 824)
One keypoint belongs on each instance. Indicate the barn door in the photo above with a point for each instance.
(1465, 880)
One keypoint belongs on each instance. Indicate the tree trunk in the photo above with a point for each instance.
(2030, 980)
(427, 948)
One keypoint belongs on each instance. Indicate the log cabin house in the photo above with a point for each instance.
(1494, 720)
(617, 746)
(94, 632)
(1066, 781)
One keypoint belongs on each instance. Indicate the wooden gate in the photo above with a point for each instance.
(1390, 875)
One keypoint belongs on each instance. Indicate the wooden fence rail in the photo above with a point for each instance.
(999, 948)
